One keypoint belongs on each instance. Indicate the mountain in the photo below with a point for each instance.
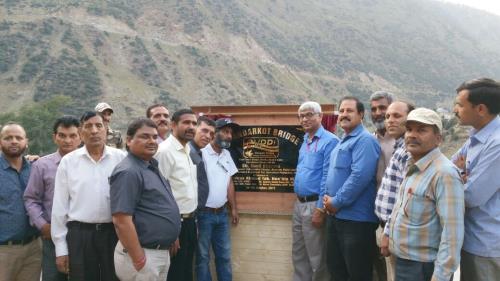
(194, 52)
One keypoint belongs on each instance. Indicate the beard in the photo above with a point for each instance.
(380, 125)
(13, 154)
(225, 144)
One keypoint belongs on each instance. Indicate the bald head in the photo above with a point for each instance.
(395, 118)
(13, 141)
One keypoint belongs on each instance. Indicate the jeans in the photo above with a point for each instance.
(213, 228)
(350, 247)
(408, 270)
(49, 269)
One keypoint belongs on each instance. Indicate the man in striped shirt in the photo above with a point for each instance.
(395, 118)
(426, 227)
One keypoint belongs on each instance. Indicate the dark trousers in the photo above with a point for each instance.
(408, 270)
(350, 249)
(181, 265)
(91, 248)
(49, 269)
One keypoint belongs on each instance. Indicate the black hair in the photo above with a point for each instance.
(206, 120)
(87, 115)
(148, 110)
(139, 123)
(66, 121)
(359, 105)
(177, 115)
(483, 91)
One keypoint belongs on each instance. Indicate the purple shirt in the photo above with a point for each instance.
(40, 189)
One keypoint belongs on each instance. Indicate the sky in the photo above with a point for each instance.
(492, 6)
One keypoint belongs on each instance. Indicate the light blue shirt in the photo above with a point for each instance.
(312, 167)
(351, 177)
(482, 190)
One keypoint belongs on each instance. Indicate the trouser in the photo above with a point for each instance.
(477, 268)
(408, 270)
(213, 228)
(49, 269)
(181, 265)
(91, 248)
(155, 269)
(21, 262)
(350, 249)
(308, 246)
(379, 261)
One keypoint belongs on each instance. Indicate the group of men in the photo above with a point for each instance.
(105, 214)
(386, 205)
(389, 205)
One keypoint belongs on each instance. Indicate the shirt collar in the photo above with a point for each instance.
(140, 162)
(356, 131)
(177, 144)
(426, 161)
(83, 151)
(400, 142)
(4, 164)
(319, 133)
(194, 146)
(483, 134)
(57, 157)
(210, 150)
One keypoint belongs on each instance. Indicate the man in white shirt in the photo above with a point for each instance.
(213, 223)
(176, 166)
(82, 228)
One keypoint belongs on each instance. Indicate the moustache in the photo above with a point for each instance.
(412, 142)
(163, 123)
(345, 118)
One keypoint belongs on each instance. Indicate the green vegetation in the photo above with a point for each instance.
(71, 76)
(10, 50)
(37, 120)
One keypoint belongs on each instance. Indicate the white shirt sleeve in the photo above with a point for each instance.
(60, 209)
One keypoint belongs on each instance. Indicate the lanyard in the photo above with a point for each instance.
(315, 140)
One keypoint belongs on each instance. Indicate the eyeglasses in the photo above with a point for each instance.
(307, 115)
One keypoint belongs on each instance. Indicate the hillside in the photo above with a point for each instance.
(133, 53)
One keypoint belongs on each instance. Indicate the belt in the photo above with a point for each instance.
(92, 226)
(23, 242)
(215, 210)
(188, 216)
(310, 198)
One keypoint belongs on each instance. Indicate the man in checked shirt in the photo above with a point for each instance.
(395, 118)
(426, 227)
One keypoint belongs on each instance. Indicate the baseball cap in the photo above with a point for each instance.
(425, 116)
(223, 122)
(100, 107)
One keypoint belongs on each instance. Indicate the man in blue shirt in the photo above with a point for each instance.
(20, 252)
(308, 251)
(351, 187)
(478, 105)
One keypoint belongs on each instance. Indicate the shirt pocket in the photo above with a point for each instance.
(343, 159)
(419, 208)
(313, 161)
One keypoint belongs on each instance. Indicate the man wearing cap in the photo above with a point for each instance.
(213, 223)
(426, 227)
(113, 138)
(145, 214)
(176, 166)
(309, 233)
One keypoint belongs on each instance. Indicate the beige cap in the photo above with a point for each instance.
(425, 116)
(100, 107)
